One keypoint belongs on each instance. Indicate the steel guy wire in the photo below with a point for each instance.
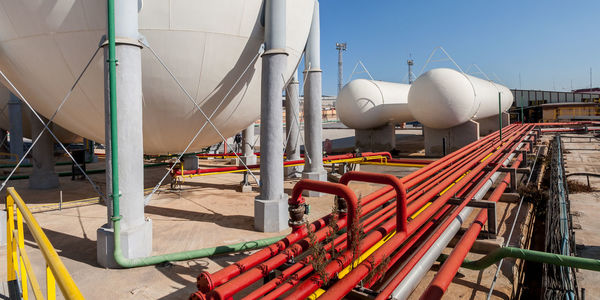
(297, 119)
(46, 128)
(208, 118)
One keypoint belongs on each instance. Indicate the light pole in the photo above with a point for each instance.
(341, 47)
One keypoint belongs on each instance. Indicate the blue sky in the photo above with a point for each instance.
(550, 43)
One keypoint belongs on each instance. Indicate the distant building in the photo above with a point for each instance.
(564, 112)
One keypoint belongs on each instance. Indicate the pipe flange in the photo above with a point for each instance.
(296, 224)
(297, 212)
(124, 41)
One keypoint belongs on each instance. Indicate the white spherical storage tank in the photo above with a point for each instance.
(44, 45)
(443, 98)
(366, 104)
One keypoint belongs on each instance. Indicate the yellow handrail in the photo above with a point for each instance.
(56, 270)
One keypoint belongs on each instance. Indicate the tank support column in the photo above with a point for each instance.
(270, 207)
(292, 126)
(136, 234)
(313, 125)
(248, 156)
(42, 175)
(16, 125)
(440, 142)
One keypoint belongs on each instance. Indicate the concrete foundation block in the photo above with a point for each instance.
(293, 172)
(43, 180)
(320, 176)
(136, 242)
(271, 215)
(491, 124)
(451, 139)
(377, 139)
(3, 228)
(190, 162)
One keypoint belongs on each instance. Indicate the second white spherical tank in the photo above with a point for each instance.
(443, 98)
(365, 104)
(207, 44)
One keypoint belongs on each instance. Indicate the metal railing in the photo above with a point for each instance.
(19, 269)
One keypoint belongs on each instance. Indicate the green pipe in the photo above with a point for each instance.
(116, 215)
(529, 255)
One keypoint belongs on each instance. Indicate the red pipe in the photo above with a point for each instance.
(407, 246)
(340, 242)
(450, 267)
(383, 179)
(338, 189)
(207, 282)
(256, 166)
(228, 289)
(311, 285)
(343, 287)
(398, 278)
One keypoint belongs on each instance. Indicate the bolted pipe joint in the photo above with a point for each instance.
(197, 296)
(204, 283)
(297, 212)
(342, 208)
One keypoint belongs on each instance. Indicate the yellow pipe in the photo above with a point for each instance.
(11, 253)
(316, 294)
(420, 210)
(364, 256)
(65, 282)
(35, 286)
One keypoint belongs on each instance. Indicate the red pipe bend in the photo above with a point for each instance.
(401, 213)
(340, 190)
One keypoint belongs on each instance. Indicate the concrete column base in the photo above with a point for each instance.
(190, 162)
(320, 176)
(271, 215)
(490, 124)
(455, 138)
(43, 180)
(3, 228)
(246, 188)
(135, 243)
(293, 172)
(376, 139)
(249, 159)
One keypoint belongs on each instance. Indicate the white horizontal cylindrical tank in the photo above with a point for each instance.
(365, 104)
(207, 45)
(444, 98)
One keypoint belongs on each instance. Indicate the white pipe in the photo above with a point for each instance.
(410, 282)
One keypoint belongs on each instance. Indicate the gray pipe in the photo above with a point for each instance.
(417, 273)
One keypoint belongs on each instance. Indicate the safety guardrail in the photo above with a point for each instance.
(19, 269)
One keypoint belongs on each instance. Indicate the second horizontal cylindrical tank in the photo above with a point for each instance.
(443, 98)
